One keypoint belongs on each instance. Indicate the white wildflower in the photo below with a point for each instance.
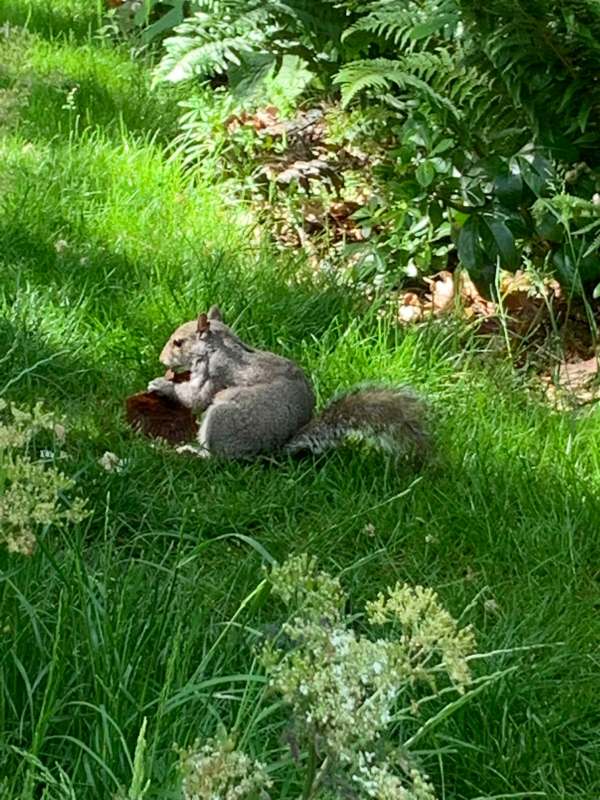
(31, 492)
(216, 771)
(369, 529)
(60, 432)
(427, 630)
(380, 783)
(111, 462)
(491, 606)
(343, 688)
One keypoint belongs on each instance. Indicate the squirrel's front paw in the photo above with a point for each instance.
(161, 386)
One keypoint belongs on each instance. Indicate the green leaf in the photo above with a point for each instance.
(432, 25)
(245, 79)
(140, 17)
(566, 271)
(504, 241)
(425, 173)
(536, 173)
(596, 292)
(435, 213)
(589, 268)
(169, 20)
(443, 146)
(583, 115)
(573, 271)
(469, 244)
(288, 82)
(484, 278)
(549, 227)
(508, 188)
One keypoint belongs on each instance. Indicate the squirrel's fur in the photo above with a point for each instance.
(391, 417)
(254, 401)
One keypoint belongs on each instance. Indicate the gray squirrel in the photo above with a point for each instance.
(255, 402)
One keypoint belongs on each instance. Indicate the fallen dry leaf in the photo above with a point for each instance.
(410, 308)
(305, 171)
(580, 373)
(575, 384)
(267, 119)
(447, 291)
(442, 292)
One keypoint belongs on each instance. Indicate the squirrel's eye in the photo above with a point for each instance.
(178, 342)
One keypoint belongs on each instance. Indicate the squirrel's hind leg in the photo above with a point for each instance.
(193, 449)
(200, 447)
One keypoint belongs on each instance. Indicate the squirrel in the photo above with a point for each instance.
(256, 402)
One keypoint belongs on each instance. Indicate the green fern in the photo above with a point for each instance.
(546, 59)
(224, 33)
(404, 24)
(416, 71)
(424, 58)
(210, 42)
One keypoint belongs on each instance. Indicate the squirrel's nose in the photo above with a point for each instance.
(164, 357)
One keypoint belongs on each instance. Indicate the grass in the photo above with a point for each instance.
(105, 246)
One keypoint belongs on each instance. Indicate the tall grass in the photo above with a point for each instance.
(148, 610)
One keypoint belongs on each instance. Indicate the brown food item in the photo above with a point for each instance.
(162, 417)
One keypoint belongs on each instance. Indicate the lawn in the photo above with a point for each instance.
(141, 611)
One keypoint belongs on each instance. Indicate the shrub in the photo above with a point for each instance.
(490, 118)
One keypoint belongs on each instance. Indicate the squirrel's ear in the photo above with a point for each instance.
(215, 313)
(203, 324)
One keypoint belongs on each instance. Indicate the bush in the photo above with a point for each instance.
(491, 118)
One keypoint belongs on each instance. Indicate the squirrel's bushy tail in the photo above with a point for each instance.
(391, 417)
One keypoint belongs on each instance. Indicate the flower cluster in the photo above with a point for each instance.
(300, 585)
(111, 462)
(30, 492)
(375, 780)
(343, 688)
(339, 685)
(216, 771)
(427, 632)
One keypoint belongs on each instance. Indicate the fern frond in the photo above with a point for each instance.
(392, 24)
(323, 19)
(543, 60)
(193, 59)
(404, 24)
(205, 44)
(415, 70)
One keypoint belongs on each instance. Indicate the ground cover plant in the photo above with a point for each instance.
(134, 633)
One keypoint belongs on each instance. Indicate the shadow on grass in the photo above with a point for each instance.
(33, 369)
(68, 100)
(150, 298)
(98, 106)
(53, 18)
